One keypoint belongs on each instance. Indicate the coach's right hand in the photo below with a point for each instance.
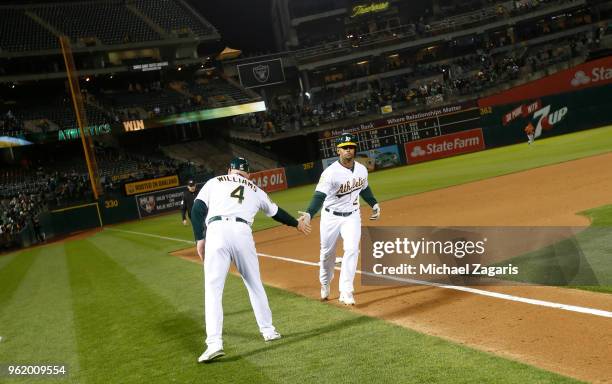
(303, 225)
(304, 216)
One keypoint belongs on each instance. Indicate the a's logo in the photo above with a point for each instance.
(347, 138)
(580, 78)
(417, 151)
(261, 73)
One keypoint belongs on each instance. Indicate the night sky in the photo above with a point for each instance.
(242, 24)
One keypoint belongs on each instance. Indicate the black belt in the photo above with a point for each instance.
(343, 214)
(238, 219)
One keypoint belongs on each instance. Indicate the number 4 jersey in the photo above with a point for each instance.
(235, 196)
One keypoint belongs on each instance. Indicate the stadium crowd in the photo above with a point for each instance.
(428, 82)
(450, 19)
(35, 188)
(15, 214)
(10, 125)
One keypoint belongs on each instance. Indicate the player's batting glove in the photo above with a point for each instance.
(305, 216)
(375, 212)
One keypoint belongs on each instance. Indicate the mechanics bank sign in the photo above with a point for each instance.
(591, 74)
(444, 146)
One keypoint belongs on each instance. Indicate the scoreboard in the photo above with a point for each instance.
(406, 128)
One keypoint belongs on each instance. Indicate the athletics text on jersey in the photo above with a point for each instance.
(342, 186)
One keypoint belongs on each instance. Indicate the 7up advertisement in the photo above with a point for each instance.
(548, 116)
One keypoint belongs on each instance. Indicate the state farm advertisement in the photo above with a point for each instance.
(591, 74)
(270, 180)
(444, 146)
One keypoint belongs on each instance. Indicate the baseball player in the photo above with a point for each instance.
(223, 213)
(530, 132)
(338, 192)
(187, 203)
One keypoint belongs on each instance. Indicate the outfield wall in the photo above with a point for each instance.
(549, 116)
(65, 221)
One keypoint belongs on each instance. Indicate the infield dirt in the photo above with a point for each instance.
(572, 344)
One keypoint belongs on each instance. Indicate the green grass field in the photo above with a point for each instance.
(581, 261)
(578, 262)
(116, 308)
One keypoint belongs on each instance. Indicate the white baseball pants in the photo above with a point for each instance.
(226, 242)
(349, 227)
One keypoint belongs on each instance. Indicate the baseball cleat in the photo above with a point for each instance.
(324, 291)
(272, 336)
(347, 298)
(338, 260)
(209, 355)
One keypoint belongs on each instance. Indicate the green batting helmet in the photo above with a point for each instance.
(345, 140)
(241, 164)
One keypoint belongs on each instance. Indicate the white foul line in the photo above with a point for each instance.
(549, 304)
(504, 296)
(150, 235)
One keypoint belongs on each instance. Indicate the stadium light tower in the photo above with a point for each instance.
(79, 110)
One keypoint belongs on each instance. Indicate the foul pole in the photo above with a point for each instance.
(79, 110)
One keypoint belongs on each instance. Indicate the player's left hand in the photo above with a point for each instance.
(375, 212)
(200, 248)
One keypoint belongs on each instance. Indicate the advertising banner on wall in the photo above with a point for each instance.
(535, 117)
(270, 180)
(547, 116)
(586, 75)
(150, 185)
(374, 159)
(385, 157)
(154, 203)
(444, 146)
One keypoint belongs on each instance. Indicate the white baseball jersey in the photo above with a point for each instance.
(235, 196)
(230, 241)
(342, 186)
